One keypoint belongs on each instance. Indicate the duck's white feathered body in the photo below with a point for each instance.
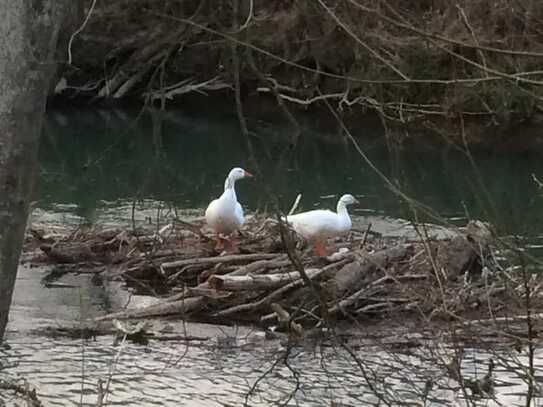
(320, 224)
(225, 215)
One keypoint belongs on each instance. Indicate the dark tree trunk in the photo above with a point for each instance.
(28, 37)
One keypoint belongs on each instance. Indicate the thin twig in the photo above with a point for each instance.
(362, 43)
(81, 28)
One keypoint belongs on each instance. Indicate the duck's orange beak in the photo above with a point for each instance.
(248, 174)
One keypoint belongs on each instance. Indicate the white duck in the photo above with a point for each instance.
(318, 225)
(225, 215)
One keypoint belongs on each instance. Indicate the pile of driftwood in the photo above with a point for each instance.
(273, 278)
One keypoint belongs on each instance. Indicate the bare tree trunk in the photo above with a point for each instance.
(28, 37)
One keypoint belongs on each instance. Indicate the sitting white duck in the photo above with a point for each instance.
(225, 215)
(318, 225)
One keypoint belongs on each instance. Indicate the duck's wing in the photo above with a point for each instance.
(239, 214)
(315, 223)
(211, 210)
(316, 216)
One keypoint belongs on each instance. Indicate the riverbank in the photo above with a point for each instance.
(438, 66)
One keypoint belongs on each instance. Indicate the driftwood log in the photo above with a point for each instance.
(257, 282)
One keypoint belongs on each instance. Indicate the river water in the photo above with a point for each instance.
(96, 163)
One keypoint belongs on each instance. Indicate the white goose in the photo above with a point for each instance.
(318, 225)
(225, 215)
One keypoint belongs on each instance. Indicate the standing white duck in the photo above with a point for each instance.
(318, 225)
(225, 215)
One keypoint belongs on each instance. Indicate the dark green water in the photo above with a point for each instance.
(92, 156)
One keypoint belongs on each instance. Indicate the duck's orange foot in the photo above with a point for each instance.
(230, 245)
(225, 243)
(219, 243)
(320, 249)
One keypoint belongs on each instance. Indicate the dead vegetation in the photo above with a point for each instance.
(368, 277)
(434, 60)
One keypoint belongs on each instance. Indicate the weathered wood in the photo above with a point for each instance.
(182, 303)
(352, 276)
(256, 267)
(459, 256)
(284, 319)
(234, 258)
(180, 308)
(274, 295)
(260, 266)
(256, 282)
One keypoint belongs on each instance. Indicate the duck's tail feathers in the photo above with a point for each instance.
(287, 219)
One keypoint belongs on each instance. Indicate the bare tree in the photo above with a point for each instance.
(28, 39)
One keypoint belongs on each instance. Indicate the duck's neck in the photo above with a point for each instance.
(342, 209)
(229, 187)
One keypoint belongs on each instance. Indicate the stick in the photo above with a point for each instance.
(277, 293)
(215, 260)
(295, 204)
(284, 319)
(180, 307)
(259, 282)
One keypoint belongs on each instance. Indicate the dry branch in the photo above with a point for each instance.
(258, 282)
(239, 258)
(434, 278)
(180, 308)
(352, 275)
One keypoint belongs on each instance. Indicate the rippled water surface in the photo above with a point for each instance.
(207, 372)
(96, 166)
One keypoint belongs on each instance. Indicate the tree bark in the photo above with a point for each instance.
(28, 38)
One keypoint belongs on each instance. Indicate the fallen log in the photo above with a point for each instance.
(353, 275)
(459, 256)
(262, 265)
(267, 300)
(180, 304)
(180, 307)
(256, 267)
(234, 258)
(256, 282)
